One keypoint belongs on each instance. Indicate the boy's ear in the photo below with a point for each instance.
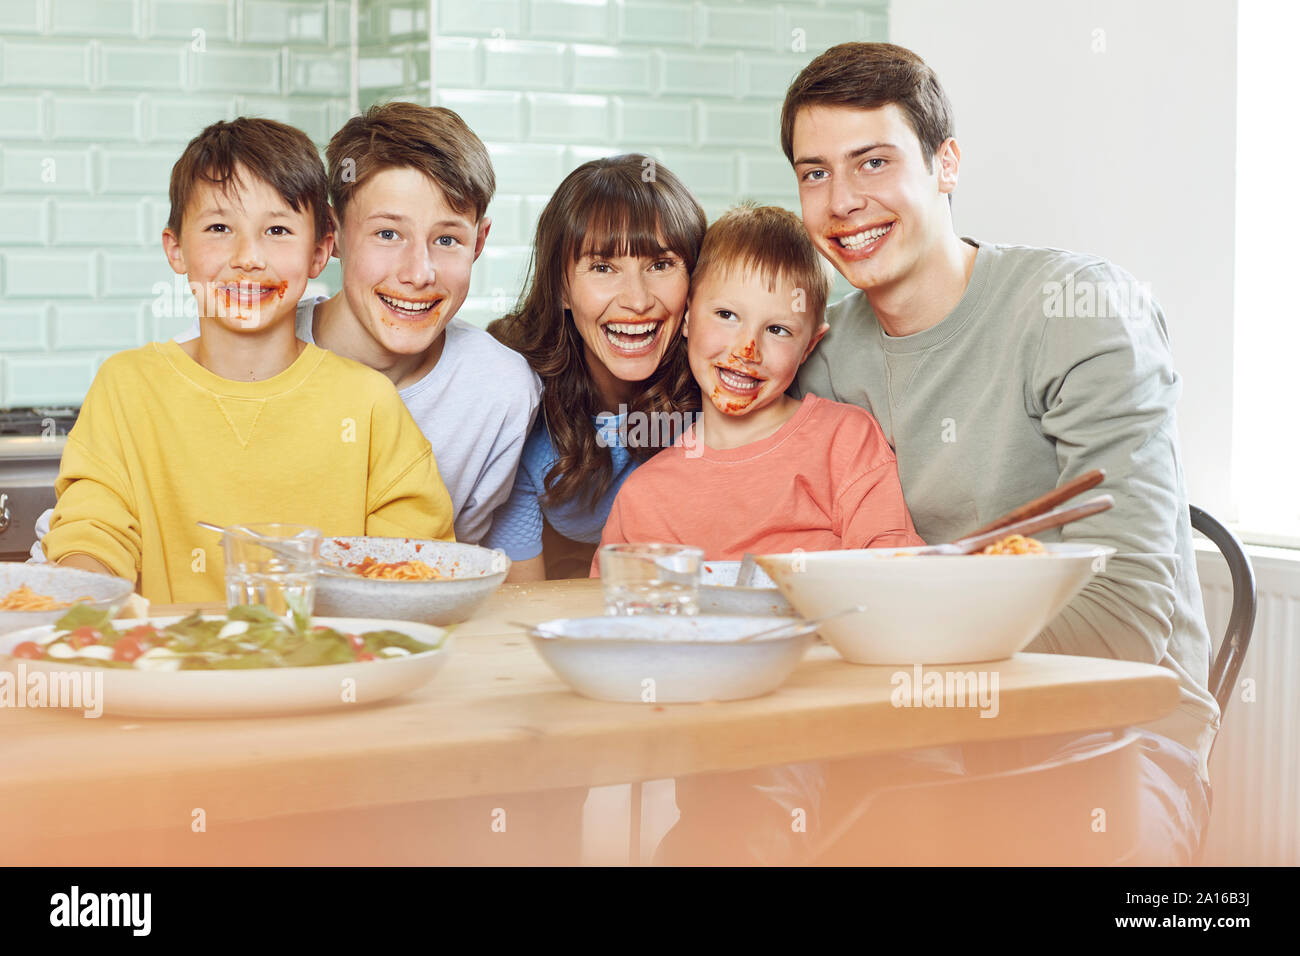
(172, 250)
(336, 226)
(816, 337)
(320, 256)
(484, 227)
(949, 159)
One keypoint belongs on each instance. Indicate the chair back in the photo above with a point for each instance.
(1241, 620)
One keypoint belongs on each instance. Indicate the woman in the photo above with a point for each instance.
(600, 323)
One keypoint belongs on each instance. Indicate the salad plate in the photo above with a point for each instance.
(719, 593)
(241, 665)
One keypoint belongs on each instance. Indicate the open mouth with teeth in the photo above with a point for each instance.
(741, 383)
(863, 242)
(411, 310)
(633, 338)
(248, 294)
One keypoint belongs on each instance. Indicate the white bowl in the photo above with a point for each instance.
(477, 572)
(667, 658)
(107, 593)
(245, 693)
(719, 594)
(933, 609)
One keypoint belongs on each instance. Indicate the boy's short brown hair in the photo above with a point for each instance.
(868, 76)
(772, 242)
(432, 139)
(280, 155)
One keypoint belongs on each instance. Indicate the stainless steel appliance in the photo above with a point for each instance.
(31, 445)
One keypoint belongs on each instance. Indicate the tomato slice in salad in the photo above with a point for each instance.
(83, 636)
(128, 648)
(28, 649)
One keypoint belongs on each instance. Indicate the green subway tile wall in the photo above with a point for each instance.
(97, 97)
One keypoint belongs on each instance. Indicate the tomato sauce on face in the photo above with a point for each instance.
(420, 323)
(726, 404)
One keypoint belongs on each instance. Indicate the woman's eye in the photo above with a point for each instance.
(387, 234)
(664, 265)
(601, 267)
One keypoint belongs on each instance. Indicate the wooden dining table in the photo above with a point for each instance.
(494, 720)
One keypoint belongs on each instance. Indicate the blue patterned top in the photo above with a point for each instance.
(517, 524)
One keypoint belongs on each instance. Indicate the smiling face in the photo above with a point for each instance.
(627, 309)
(247, 254)
(745, 340)
(407, 257)
(869, 203)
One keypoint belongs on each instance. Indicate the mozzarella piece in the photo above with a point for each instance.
(158, 659)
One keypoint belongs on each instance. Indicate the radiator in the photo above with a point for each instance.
(1255, 769)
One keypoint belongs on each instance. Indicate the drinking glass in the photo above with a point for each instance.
(651, 578)
(284, 581)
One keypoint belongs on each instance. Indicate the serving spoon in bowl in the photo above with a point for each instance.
(1052, 519)
(275, 547)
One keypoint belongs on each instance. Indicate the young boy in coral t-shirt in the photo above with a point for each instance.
(761, 471)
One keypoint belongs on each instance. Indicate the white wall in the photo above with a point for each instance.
(1127, 153)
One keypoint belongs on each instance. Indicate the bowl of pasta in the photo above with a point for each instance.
(936, 608)
(32, 595)
(406, 579)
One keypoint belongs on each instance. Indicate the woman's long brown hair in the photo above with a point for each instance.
(617, 206)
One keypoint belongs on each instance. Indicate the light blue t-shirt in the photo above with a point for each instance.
(517, 528)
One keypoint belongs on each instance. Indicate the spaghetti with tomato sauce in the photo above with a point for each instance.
(398, 570)
(1015, 544)
(25, 599)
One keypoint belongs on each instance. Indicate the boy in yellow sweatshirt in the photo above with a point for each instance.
(246, 423)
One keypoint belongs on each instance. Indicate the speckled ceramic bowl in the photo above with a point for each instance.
(653, 658)
(719, 594)
(63, 584)
(475, 573)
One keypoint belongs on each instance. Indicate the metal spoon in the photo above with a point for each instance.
(745, 576)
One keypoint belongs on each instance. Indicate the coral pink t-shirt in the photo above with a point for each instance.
(827, 479)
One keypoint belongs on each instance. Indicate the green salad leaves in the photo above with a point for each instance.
(249, 637)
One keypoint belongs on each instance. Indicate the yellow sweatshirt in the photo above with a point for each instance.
(161, 443)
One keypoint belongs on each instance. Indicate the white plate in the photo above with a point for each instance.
(249, 693)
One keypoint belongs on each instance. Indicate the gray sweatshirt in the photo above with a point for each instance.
(1051, 364)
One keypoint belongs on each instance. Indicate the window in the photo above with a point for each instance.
(1266, 337)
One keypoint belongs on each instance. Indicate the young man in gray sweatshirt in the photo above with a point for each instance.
(998, 373)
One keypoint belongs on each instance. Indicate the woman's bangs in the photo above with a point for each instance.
(616, 228)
